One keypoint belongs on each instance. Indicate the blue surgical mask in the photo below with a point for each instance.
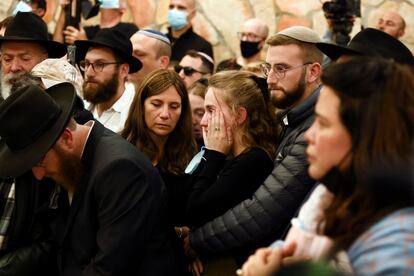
(192, 166)
(109, 4)
(177, 19)
(22, 7)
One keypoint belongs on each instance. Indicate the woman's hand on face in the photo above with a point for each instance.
(218, 136)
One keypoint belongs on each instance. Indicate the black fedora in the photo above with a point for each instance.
(29, 27)
(31, 120)
(116, 41)
(370, 42)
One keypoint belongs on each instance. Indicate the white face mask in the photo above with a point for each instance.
(109, 4)
(22, 7)
(177, 19)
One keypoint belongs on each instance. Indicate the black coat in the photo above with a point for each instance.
(188, 41)
(116, 224)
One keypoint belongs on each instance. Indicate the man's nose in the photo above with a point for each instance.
(39, 172)
(16, 66)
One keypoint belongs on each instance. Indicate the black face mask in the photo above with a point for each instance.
(248, 48)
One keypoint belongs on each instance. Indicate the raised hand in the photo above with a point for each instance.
(217, 136)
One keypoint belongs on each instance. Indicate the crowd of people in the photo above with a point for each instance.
(139, 154)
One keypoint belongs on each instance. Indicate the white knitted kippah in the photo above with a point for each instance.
(155, 34)
(301, 33)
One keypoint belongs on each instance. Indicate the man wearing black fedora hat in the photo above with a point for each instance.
(24, 249)
(369, 42)
(25, 43)
(106, 61)
(113, 208)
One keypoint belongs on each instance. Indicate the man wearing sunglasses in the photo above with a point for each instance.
(106, 61)
(194, 66)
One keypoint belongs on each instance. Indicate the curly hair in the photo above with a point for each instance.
(180, 146)
(243, 89)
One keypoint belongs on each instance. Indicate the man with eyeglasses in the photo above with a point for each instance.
(106, 61)
(293, 67)
(194, 66)
(180, 30)
(252, 37)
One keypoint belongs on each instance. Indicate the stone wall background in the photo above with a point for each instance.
(220, 20)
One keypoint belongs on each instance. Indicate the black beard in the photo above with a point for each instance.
(101, 92)
(290, 97)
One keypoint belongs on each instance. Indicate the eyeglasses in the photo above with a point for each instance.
(249, 36)
(278, 69)
(96, 66)
(188, 71)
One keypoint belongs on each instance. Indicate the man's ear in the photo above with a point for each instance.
(66, 141)
(164, 61)
(191, 15)
(241, 115)
(262, 44)
(124, 70)
(314, 72)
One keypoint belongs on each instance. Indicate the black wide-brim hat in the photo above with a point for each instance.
(29, 27)
(116, 41)
(370, 42)
(31, 121)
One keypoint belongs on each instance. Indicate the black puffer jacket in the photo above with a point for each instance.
(264, 218)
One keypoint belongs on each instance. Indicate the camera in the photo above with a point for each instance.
(342, 14)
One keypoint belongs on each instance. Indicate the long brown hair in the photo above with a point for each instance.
(241, 89)
(377, 108)
(180, 146)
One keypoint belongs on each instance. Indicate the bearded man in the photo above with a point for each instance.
(106, 61)
(25, 247)
(112, 210)
(25, 43)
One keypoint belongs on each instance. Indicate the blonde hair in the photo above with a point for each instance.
(243, 89)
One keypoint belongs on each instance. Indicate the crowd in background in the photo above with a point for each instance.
(127, 151)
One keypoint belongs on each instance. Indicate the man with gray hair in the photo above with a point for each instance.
(252, 37)
(292, 68)
(153, 49)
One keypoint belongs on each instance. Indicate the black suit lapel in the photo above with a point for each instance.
(94, 136)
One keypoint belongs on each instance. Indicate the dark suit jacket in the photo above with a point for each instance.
(116, 224)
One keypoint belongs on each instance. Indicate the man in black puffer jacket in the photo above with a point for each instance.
(293, 67)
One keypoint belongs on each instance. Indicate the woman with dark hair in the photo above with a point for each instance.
(240, 136)
(364, 121)
(159, 124)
